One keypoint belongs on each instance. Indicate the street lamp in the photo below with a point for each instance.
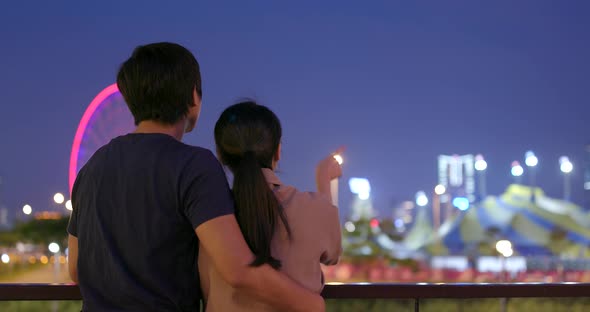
(349, 226)
(54, 248)
(59, 198)
(531, 161)
(480, 166)
(504, 247)
(69, 205)
(439, 190)
(5, 258)
(27, 209)
(480, 163)
(421, 199)
(566, 167)
(516, 171)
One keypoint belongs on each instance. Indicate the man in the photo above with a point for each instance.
(140, 200)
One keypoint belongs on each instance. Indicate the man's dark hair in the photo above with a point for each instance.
(158, 80)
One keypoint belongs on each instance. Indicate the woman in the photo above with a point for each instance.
(290, 230)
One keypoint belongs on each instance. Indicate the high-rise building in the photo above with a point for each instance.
(587, 171)
(362, 205)
(457, 174)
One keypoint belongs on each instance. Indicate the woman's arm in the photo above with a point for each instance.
(327, 170)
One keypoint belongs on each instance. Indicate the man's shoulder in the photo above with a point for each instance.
(179, 146)
(176, 150)
(161, 149)
(198, 162)
(198, 150)
(200, 156)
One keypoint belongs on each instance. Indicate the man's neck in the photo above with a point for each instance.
(149, 126)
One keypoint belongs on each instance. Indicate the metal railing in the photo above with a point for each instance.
(416, 292)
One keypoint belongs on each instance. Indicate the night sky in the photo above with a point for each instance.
(397, 83)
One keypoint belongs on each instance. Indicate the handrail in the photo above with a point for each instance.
(18, 292)
(31, 292)
(455, 291)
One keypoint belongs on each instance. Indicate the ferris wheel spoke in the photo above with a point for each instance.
(109, 118)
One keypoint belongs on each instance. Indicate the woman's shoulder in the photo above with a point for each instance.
(292, 198)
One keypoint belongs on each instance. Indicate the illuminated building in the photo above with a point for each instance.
(457, 174)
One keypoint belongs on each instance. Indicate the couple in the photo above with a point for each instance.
(155, 226)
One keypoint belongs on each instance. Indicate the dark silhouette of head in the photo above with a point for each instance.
(161, 82)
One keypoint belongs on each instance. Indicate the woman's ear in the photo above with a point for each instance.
(278, 154)
(276, 157)
(218, 154)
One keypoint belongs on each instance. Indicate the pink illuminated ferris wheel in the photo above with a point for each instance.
(106, 117)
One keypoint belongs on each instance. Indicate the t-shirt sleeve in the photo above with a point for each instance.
(73, 223)
(207, 194)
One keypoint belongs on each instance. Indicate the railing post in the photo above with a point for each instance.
(416, 304)
(503, 304)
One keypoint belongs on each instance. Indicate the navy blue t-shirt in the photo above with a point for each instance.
(136, 205)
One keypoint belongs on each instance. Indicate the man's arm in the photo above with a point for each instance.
(73, 257)
(222, 239)
(73, 229)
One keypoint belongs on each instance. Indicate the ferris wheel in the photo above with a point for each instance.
(106, 117)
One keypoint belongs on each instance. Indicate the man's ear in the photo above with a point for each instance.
(193, 112)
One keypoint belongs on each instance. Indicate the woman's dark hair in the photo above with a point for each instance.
(158, 80)
(247, 136)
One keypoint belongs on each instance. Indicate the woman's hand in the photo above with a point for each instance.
(327, 170)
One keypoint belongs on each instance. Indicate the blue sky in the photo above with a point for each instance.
(396, 82)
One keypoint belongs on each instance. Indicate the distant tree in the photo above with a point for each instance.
(8, 238)
(42, 231)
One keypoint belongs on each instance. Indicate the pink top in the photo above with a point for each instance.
(315, 238)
